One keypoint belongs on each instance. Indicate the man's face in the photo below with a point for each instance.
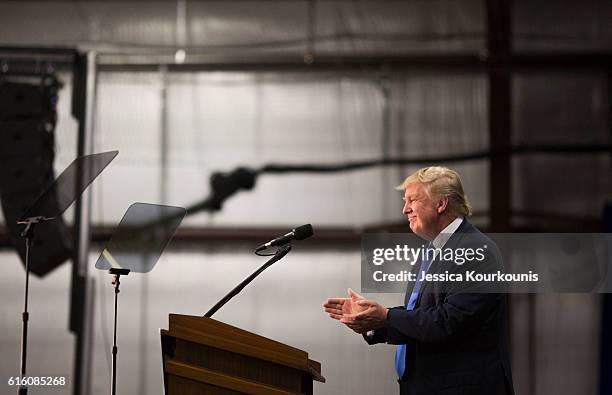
(421, 211)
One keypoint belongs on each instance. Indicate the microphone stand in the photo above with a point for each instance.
(280, 253)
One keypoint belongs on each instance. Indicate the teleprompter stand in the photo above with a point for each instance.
(49, 205)
(116, 272)
(135, 246)
(28, 235)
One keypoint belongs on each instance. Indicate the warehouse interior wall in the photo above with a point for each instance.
(202, 121)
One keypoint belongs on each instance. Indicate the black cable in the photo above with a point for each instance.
(224, 185)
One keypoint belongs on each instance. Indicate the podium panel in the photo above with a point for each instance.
(205, 356)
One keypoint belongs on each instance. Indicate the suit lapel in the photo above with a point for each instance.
(415, 269)
(436, 265)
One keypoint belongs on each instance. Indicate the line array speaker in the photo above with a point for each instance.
(28, 115)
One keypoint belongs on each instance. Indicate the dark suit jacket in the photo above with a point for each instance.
(456, 338)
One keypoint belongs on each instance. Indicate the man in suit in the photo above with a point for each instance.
(451, 337)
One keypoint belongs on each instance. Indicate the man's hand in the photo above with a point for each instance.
(372, 316)
(356, 312)
(338, 307)
(351, 306)
(334, 306)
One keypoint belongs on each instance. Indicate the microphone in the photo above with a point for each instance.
(299, 233)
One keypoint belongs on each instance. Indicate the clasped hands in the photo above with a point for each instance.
(356, 312)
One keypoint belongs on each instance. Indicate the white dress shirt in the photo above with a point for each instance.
(446, 233)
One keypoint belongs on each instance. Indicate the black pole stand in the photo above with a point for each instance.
(28, 234)
(280, 253)
(117, 273)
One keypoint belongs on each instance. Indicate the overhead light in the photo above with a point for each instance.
(179, 56)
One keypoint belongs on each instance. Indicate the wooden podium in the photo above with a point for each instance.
(205, 356)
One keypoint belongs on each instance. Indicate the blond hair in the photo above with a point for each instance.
(441, 182)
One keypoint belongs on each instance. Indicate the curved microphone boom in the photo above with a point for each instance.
(299, 233)
(284, 250)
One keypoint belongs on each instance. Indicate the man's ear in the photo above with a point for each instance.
(442, 205)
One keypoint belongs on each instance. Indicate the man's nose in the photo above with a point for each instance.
(407, 209)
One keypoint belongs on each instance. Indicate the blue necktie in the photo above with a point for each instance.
(400, 351)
